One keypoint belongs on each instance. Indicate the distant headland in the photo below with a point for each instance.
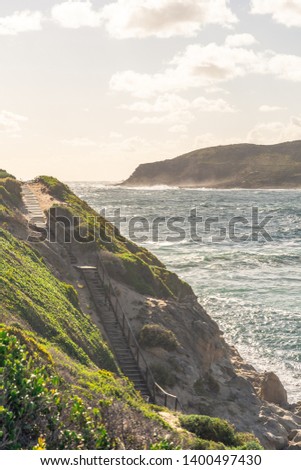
(229, 166)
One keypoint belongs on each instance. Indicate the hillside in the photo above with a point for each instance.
(231, 166)
(63, 381)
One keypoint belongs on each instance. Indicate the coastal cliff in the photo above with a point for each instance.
(230, 166)
(49, 316)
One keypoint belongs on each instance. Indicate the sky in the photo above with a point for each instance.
(90, 89)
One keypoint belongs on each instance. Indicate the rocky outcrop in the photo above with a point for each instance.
(295, 440)
(230, 166)
(272, 389)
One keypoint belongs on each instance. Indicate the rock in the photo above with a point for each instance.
(293, 446)
(295, 436)
(295, 440)
(272, 389)
(279, 442)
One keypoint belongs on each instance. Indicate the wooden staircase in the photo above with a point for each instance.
(118, 342)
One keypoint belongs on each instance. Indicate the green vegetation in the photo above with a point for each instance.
(153, 335)
(10, 197)
(36, 409)
(4, 174)
(164, 445)
(30, 295)
(56, 188)
(215, 431)
(208, 428)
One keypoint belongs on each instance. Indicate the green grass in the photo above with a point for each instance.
(10, 197)
(31, 294)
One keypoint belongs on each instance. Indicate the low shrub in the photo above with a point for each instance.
(211, 429)
(216, 433)
(154, 335)
(202, 444)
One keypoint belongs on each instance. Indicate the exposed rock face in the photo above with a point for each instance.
(230, 166)
(272, 389)
(295, 440)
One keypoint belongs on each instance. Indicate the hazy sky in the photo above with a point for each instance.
(90, 89)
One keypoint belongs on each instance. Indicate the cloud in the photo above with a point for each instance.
(171, 103)
(10, 123)
(265, 108)
(76, 14)
(196, 66)
(205, 66)
(286, 67)
(173, 109)
(238, 40)
(20, 22)
(164, 18)
(287, 12)
(276, 132)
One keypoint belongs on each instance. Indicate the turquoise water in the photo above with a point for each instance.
(250, 287)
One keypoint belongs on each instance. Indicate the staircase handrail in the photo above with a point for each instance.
(127, 330)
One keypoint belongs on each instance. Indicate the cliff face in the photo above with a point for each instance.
(45, 304)
(230, 166)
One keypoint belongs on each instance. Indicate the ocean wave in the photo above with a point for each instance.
(158, 187)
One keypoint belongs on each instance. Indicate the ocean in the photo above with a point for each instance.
(240, 250)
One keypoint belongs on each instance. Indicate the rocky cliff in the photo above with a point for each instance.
(230, 166)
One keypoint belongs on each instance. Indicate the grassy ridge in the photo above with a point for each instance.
(140, 269)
